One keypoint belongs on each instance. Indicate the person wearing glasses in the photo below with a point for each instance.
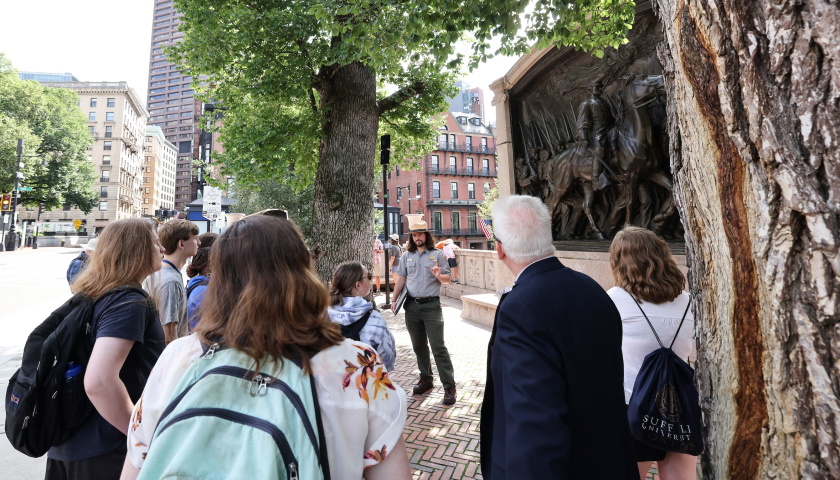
(348, 308)
(422, 270)
(554, 398)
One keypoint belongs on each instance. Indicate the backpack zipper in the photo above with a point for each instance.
(240, 373)
(279, 437)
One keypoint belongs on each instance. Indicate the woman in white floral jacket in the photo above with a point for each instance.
(260, 265)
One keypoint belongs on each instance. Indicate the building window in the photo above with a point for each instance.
(92, 131)
(437, 221)
(148, 159)
(469, 166)
(485, 166)
(454, 187)
(103, 191)
(456, 222)
(397, 169)
(453, 164)
(107, 145)
(435, 163)
(469, 143)
(471, 191)
(471, 221)
(483, 144)
(418, 189)
(109, 131)
(92, 116)
(399, 194)
(106, 176)
(452, 140)
(486, 188)
(103, 205)
(112, 102)
(435, 189)
(442, 140)
(106, 159)
(92, 102)
(109, 116)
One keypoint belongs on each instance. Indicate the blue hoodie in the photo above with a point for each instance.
(194, 300)
(375, 332)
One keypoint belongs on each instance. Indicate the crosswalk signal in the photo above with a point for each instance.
(6, 203)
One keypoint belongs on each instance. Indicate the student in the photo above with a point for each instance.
(127, 341)
(644, 268)
(350, 284)
(199, 273)
(166, 286)
(266, 301)
(79, 263)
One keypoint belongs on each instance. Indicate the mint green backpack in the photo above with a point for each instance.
(225, 421)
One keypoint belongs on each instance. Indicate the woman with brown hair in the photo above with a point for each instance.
(266, 302)
(645, 272)
(127, 341)
(348, 308)
(198, 272)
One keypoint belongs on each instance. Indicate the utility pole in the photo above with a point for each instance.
(11, 239)
(384, 160)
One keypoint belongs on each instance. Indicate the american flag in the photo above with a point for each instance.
(483, 226)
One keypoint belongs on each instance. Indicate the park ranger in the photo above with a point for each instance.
(422, 269)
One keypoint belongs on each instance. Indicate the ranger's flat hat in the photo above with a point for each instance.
(416, 223)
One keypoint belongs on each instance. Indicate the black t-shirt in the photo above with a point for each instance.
(123, 315)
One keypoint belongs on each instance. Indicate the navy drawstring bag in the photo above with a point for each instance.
(664, 409)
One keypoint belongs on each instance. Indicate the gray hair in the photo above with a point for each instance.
(522, 225)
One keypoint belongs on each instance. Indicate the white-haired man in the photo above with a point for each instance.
(554, 400)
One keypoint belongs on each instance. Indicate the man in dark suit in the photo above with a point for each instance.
(554, 402)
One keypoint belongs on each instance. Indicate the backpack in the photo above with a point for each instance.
(353, 330)
(664, 410)
(196, 285)
(237, 422)
(46, 401)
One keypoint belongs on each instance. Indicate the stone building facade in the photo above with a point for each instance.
(159, 160)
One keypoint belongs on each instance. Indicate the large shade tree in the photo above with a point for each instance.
(309, 85)
(55, 138)
(754, 89)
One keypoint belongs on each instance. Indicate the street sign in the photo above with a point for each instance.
(25, 189)
(212, 209)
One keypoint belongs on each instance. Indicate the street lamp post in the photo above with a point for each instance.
(11, 239)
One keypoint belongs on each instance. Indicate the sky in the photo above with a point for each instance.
(106, 40)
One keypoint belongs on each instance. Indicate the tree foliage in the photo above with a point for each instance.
(55, 138)
(308, 84)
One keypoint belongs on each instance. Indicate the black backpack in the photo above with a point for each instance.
(352, 331)
(664, 409)
(43, 408)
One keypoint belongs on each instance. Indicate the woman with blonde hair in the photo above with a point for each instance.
(649, 282)
(127, 341)
(266, 304)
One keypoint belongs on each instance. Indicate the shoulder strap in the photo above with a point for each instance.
(196, 285)
(359, 324)
(654, 330)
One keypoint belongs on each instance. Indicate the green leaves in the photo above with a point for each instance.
(54, 132)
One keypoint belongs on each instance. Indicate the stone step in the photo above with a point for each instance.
(480, 308)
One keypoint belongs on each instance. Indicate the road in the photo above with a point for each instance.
(32, 285)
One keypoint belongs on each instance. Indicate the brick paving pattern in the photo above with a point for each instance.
(442, 442)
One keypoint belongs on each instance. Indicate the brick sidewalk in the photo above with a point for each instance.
(442, 441)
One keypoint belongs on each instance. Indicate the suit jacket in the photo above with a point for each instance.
(554, 400)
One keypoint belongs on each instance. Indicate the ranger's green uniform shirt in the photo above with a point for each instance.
(416, 268)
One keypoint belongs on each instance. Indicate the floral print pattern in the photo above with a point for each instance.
(370, 367)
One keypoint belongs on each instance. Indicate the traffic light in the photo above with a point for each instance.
(6, 203)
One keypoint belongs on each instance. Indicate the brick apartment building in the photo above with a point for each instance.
(450, 183)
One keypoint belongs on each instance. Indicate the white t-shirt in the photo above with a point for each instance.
(638, 340)
(362, 421)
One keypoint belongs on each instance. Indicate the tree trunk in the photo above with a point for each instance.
(753, 89)
(342, 221)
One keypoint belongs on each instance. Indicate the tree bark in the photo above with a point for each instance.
(342, 223)
(754, 123)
